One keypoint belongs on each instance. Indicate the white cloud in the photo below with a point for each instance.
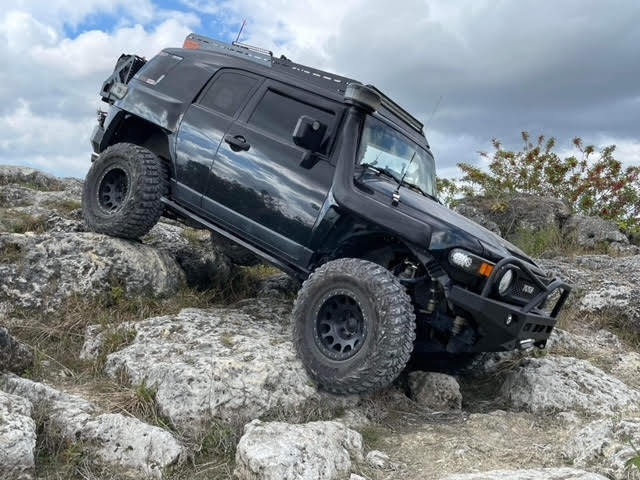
(49, 83)
(501, 67)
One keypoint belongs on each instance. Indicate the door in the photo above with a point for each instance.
(203, 126)
(257, 184)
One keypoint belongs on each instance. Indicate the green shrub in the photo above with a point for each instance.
(592, 182)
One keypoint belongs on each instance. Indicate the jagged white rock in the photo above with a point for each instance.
(377, 459)
(311, 451)
(530, 474)
(549, 384)
(435, 391)
(121, 442)
(204, 263)
(609, 284)
(219, 362)
(606, 446)
(17, 438)
(51, 267)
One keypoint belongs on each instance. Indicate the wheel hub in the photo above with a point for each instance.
(113, 190)
(340, 327)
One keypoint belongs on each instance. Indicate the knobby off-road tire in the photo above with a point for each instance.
(349, 286)
(122, 191)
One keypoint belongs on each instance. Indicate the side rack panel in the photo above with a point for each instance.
(258, 55)
(323, 79)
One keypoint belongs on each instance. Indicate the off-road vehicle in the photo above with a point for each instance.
(331, 181)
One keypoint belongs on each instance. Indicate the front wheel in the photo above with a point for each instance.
(122, 191)
(354, 326)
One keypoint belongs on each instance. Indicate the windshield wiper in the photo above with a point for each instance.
(421, 191)
(389, 173)
(381, 171)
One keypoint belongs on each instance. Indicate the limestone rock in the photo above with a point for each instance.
(205, 265)
(220, 362)
(17, 438)
(517, 212)
(531, 474)
(479, 216)
(41, 271)
(14, 356)
(236, 253)
(591, 232)
(553, 384)
(377, 459)
(603, 284)
(10, 174)
(311, 451)
(606, 446)
(120, 442)
(435, 391)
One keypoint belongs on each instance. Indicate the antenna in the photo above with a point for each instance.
(244, 21)
(395, 198)
(435, 109)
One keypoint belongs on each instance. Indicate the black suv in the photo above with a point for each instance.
(332, 182)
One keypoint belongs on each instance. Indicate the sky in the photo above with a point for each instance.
(493, 68)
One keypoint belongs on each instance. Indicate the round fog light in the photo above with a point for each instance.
(508, 320)
(505, 282)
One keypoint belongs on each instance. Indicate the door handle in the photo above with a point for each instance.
(237, 143)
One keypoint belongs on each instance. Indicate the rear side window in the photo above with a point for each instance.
(279, 114)
(228, 93)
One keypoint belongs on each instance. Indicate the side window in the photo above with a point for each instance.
(228, 93)
(279, 114)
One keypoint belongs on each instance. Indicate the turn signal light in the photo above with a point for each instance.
(485, 269)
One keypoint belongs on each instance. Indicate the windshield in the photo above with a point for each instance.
(390, 152)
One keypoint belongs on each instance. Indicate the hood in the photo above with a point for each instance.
(449, 227)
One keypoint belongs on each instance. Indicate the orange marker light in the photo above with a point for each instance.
(191, 44)
(485, 269)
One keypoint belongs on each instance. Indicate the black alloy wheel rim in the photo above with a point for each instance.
(340, 326)
(113, 190)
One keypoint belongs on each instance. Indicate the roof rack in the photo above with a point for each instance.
(320, 78)
(248, 52)
(398, 111)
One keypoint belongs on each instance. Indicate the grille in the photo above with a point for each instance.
(525, 289)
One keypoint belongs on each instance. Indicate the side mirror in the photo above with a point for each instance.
(309, 133)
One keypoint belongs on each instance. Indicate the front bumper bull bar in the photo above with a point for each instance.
(504, 326)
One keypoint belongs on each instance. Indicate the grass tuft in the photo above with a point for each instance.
(21, 222)
(64, 207)
(552, 241)
(11, 253)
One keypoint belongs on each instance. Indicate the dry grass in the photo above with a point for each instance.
(11, 253)
(618, 322)
(21, 222)
(57, 338)
(64, 207)
(552, 242)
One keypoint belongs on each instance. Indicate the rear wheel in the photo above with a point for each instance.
(354, 326)
(122, 191)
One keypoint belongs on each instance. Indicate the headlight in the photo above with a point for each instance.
(505, 282)
(470, 263)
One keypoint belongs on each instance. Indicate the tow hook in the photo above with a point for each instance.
(526, 344)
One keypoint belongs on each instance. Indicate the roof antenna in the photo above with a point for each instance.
(435, 109)
(244, 21)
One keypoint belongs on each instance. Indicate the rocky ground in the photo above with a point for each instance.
(171, 358)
